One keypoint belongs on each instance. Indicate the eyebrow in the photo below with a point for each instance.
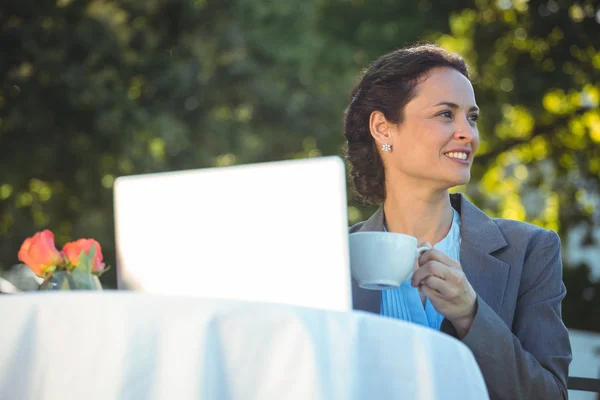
(454, 105)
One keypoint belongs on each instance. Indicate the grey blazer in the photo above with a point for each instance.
(517, 337)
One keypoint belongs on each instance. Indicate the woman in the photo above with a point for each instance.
(494, 284)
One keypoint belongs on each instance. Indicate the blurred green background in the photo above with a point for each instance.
(95, 89)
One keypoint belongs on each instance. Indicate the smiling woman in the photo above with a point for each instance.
(496, 285)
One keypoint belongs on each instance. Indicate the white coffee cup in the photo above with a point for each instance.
(383, 260)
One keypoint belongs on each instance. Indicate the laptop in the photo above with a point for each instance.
(272, 232)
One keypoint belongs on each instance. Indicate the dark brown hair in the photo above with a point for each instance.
(386, 86)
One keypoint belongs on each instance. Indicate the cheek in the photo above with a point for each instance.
(420, 142)
(437, 137)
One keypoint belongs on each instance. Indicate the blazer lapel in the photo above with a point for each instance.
(480, 237)
(365, 299)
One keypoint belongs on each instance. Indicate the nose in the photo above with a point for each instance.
(464, 131)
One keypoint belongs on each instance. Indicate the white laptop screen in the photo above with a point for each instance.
(272, 232)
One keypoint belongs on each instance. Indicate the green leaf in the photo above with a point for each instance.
(86, 260)
(64, 282)
(99, 273)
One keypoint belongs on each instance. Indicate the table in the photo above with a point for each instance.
(125, 345)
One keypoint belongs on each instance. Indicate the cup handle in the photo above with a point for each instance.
(422, 250)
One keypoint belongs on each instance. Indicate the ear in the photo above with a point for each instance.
(380, 128)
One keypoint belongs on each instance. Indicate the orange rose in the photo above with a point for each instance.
(72, 251)
(39, 253)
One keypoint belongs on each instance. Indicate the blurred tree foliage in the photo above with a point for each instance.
(94, 89)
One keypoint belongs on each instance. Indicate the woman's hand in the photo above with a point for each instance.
(443, 281)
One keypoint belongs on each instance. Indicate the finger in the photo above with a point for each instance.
(454, 276)
(434, 268)
(437, 255)
(431, 293)
(441, 288)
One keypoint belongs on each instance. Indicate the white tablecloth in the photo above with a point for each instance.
(118, 345)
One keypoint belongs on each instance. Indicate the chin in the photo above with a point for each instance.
(459, 181)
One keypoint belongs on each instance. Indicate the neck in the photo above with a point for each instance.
(424, 214)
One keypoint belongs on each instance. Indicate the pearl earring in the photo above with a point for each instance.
(386, 147)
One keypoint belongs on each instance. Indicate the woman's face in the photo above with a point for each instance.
(436, 142)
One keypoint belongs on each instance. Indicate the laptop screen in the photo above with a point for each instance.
(271, 232)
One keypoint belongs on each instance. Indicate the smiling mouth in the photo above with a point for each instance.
(457, 155)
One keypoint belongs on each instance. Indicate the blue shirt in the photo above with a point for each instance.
(405, 302)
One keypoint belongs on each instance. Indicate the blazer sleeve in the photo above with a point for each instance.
(531, 360)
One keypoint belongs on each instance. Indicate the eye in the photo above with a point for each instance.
(446, 114)
(473, 118)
